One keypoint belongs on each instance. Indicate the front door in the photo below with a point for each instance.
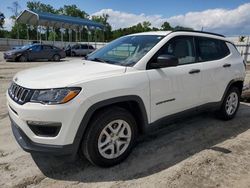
(175, 89)
(35, 52)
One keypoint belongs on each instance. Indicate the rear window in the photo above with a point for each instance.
(211, 49)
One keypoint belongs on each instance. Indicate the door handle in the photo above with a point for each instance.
(226, 65)
(193, 71)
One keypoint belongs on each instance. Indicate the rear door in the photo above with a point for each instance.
(216, 69)
(175, 89)
(85, 49)
(48, 52)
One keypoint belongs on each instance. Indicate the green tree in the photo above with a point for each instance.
(15, 9)
(18, 30)
(41, 7)
(166, 27)
(72, 10)
(52, 36)
(2, 17)
(103, 19)
(146, 26)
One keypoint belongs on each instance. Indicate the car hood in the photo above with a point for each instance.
(14, 51)
(65, 74)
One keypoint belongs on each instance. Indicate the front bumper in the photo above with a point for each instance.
(9, 57)
(30, 146)
(70, 116)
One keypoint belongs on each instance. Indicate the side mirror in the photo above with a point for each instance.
(165, 61)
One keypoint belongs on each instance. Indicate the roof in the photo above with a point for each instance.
(203, 32)
(184, 32)
(160, 33)
(55, 20)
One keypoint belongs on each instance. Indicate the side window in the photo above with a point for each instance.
(36, 48)
(76, 47)
(211, 49)
(180, 47)
(47, 47)
(84, 47)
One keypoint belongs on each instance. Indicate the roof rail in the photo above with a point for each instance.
(199, 32)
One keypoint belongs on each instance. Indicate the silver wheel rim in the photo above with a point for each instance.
(114, 139)
(231, 103)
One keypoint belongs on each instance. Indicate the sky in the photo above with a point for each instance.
(229, 17)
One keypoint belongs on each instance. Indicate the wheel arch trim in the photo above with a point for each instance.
(112, 101)
(229, 85)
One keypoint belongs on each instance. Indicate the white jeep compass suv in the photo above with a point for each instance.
(97, 107)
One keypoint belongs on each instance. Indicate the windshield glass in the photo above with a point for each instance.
(125, 51)
(26, 46)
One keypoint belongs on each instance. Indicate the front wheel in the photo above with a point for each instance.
(22, 58)
(230, 104)
(110, 137)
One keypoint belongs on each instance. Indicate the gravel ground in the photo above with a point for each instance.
(199, 152)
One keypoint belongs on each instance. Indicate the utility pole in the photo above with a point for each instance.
(246, 49)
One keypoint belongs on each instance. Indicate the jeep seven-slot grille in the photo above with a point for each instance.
(19, 94)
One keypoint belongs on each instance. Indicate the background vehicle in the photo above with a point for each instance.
(35, 52)
(123, 89)
(79, 50)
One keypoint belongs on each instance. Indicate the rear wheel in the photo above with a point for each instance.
(230, 104)
(110, 137)
(56, 57)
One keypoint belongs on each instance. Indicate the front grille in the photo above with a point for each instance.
(19, 94)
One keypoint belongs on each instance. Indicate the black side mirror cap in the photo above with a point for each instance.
(165, 61)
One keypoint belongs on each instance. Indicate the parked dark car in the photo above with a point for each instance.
(79, 50)
(35, 52)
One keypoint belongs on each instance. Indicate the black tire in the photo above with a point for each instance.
(223, 113)
(56, 57)
(100, 121)
(22, 58)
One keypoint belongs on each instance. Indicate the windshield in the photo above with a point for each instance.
(125, 51)
(26, 46)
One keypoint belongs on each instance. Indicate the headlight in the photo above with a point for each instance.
(9, 53)
(54, 96)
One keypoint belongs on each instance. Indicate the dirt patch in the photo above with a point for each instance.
(29, 181)
(3, 154)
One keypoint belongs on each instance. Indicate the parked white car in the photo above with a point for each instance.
(98, 106)
(81, 50)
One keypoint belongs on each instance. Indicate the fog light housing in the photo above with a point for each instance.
(44, 128)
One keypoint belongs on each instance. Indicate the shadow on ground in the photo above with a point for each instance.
(156, 151)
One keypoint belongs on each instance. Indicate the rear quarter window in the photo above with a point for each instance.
(211, 49)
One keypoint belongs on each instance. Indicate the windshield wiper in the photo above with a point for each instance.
(103, 61)
(99, 60)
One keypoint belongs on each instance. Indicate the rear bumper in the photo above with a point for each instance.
(30, 146)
